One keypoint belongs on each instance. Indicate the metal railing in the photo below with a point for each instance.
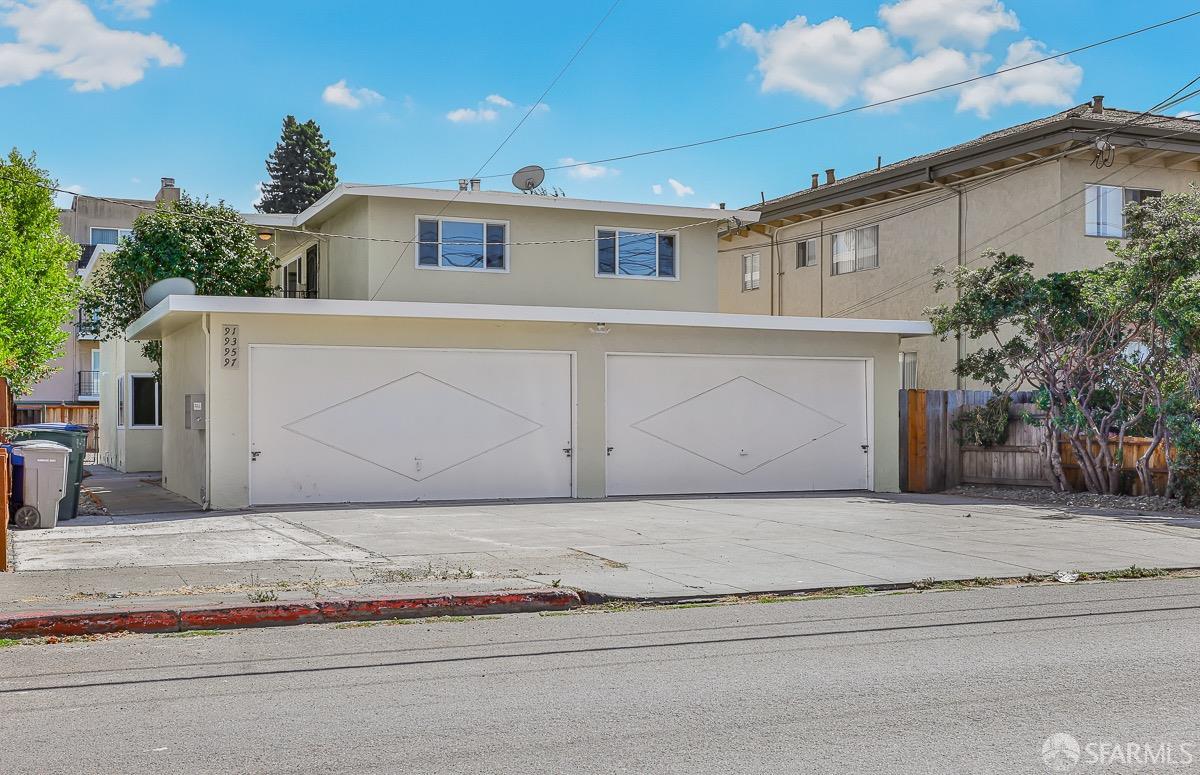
(299, 293)
(87, 325)
(89, 383)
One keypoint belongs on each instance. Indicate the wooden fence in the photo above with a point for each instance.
(79, 414)
(932, 457)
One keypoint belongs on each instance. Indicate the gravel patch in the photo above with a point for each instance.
(89, 505)
(1087, 500)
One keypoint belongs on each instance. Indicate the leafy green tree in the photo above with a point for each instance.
(38, 289)
(301, 169)
(1108, 349)
(208, 244)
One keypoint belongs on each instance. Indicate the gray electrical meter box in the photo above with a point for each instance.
(194, 411)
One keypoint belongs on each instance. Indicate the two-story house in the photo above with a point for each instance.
(865, 246)
(73, 393)
(437, 344)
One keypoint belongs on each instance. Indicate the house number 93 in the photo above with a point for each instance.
(231, 349)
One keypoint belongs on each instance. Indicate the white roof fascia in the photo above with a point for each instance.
(150, 325)
(506, 199)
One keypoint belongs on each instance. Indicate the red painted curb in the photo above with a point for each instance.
(43, 623)
(34, 624)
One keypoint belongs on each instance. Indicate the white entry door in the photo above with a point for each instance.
(709, 424)
(360, 424)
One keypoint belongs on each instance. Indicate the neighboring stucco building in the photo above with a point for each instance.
(85, 387)
(864, 246)
(461, 345)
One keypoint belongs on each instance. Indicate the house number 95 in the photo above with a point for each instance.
(231, 351)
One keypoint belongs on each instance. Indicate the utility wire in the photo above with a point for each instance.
(898, 290)
(504, 142)
(834, 114)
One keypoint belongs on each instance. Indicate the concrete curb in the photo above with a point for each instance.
(33, 624)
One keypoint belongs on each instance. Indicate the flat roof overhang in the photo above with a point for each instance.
(174, 312)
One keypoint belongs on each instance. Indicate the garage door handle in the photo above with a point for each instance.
(865, 447)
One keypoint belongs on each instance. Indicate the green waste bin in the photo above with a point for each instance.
(74, 438)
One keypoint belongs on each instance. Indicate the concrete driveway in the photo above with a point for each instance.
(658, 547)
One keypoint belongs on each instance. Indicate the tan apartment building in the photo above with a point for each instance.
(864, 246)
(75, 392)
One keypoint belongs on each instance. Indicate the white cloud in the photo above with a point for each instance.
(259, 192)
(496, 99)
(1187, 114)
(345, 97)
(825, 62)
(932, 23)
(64, 37)
(714, 206)
(584, 171)
(927, 44)
(680, 189)
(1051, 83)
(132, 9)
(938, 67)
(656, 188)
(471, 115)
(541, 107)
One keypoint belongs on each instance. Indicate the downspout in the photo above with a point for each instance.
(206, 500)
(821, 267)
(958, 340)
(773, 272)
(775, 251)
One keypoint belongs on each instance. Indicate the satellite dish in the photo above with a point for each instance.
(172, 286)
(528, 178)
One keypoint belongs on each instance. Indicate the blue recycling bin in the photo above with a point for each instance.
(16, 462)
(74, 438)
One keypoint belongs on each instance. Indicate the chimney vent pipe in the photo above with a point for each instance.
(830, 177)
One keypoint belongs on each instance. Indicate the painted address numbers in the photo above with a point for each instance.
(231, 354)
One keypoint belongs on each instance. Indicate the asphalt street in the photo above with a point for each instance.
(970, 681)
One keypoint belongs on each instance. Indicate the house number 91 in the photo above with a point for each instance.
(231, 350)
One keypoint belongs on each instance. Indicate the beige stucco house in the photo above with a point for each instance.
(864, 246)
(440, 345)
(107, 385)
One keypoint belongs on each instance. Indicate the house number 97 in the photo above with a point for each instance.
(231, 350)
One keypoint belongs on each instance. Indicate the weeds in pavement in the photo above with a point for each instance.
(428, 571)
(556, 583)
(349, 625)
(191, 634)
(1132, 572)
(6, 642)
(263, 596)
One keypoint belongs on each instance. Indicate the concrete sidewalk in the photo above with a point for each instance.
(647, 548)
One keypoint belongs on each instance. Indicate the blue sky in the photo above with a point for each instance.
(113, 94)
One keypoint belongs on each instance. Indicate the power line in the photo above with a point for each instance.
(837, 113)
(507, 137)
(898, 289)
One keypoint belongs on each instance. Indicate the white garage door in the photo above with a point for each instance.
(707, 424)
(346, 424)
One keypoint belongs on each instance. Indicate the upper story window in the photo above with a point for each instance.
(300, 275)
(636, 253)
(855, 250)
(751, 272)
(808, 252)
(1104, 208)
(460, 243)
(106, 236)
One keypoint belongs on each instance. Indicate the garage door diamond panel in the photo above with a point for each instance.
(409, 437)
(740, 442)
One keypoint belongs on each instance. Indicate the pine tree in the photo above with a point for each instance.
(301, 169)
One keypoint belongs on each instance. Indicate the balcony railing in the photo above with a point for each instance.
(87, 326)
(298, 293)
(89, 384)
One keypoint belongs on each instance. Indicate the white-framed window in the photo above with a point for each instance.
(144, 402)
(104, 235)
(751, 272)
(808, 252)
(637, 253)
(462, 244)
(908, 371)
(1104, 208)
(300, 274)
(855, 250)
